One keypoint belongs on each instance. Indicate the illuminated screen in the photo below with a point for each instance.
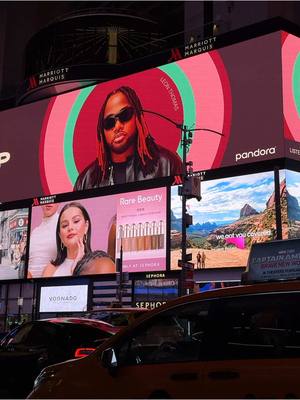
(291, 188)
(233, 213)
(13, 243)
(151, 293)
(72, 144)
(291, 95)
(205, 286)
(64, 298)
(91, 232)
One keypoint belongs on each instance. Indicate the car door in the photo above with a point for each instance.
(254, 347)
(160, 358)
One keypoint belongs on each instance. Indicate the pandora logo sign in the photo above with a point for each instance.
(256, 153)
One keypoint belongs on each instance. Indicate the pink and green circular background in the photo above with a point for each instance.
(291, 86)
(194, 91)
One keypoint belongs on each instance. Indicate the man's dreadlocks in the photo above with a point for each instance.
(145, 143)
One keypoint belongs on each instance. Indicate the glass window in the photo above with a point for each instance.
(35, 334)
(78, 335)
(27, 306)
(241, 327)
(20, 335)
(12, 307)
(14, 290)
(256, 326)
(43, 334)
(172, 336)
(27, 290)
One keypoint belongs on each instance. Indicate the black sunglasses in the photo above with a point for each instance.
(123, 116)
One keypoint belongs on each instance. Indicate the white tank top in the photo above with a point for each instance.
(64, 269)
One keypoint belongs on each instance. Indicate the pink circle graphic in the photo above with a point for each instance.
(158, 92)
(290, 51)
(52, 154)
(209, 81)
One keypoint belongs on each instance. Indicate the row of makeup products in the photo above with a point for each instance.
(141, 236)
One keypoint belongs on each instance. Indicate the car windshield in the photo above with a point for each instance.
(43, 333)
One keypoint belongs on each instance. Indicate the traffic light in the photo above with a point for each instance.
(191, 188)
(188, 220)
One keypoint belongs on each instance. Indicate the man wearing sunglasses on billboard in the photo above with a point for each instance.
(126, 150)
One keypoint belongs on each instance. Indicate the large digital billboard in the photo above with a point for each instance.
(291, 218)
(290, 53)
(233, 213)
(127, 129)
(13, 243)
(84, 237)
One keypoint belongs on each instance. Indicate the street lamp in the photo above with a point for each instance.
(190, 189)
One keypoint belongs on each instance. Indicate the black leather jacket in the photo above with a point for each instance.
(167, 163)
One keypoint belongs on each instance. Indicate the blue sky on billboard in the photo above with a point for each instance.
(223, 199)
(293, 183)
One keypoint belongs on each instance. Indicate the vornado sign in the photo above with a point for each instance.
(63, 298)
(254, 154)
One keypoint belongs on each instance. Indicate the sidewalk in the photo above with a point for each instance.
(7, 269)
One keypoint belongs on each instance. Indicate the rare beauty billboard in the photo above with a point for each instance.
(128, 129)
(233, 214)
(13, 243)
(84, 237)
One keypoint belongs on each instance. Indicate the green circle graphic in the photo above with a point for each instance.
(69, 133)
(187, 95)
(296, 84)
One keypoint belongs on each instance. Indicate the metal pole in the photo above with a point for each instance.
(120, 270)
(277, 204)
(183, 219)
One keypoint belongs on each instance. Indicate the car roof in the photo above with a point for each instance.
(104, 326)
(266, 287)
(269, 287)
(121, 309)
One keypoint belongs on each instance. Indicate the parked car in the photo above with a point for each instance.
(237, 342)
(29, 348)
(118, 316)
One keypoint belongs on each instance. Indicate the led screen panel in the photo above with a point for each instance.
(81, 139)
(151, 293)
(290, 52)
(291, 218)
(64, 298)
(13, 243)
(80, 238)
(141, 230)
(233, 213)
(211, 285)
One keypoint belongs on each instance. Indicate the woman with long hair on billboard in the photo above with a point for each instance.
(73, 240)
